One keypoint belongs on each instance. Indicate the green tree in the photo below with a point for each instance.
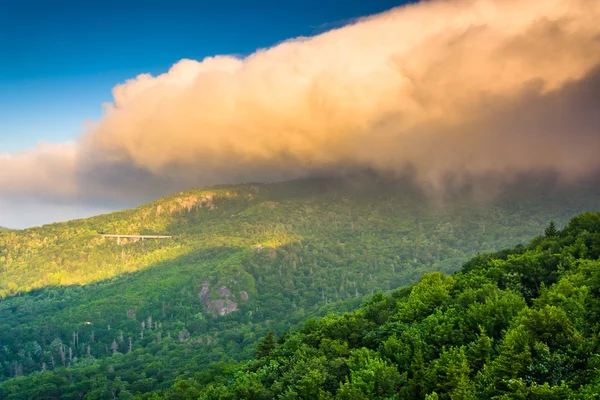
(551, 230)
(266, 345)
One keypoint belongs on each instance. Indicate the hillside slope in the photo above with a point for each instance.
(242, 260)
(519, 324)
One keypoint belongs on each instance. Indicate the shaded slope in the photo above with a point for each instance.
(518, 324)
(295, 249)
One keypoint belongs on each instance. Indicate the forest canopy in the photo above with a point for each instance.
(517, 324)
(84, 316)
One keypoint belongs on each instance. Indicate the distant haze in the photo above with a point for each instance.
(443, 89)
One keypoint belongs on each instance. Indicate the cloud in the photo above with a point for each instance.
(443, 88)
(47, 170)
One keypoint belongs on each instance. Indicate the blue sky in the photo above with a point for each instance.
(60, 59)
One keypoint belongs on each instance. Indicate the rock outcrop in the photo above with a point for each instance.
(222, 306)
(205, 292)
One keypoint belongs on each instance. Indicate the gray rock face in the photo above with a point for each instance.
(205, 292)
(224, 292)
(222, 307)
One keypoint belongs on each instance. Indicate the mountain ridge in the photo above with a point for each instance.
(243, 259)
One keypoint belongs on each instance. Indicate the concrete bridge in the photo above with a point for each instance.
(139, 237)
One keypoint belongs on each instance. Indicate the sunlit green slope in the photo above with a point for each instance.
(242, 259)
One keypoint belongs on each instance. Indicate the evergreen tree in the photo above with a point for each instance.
(266, 345)
(551, 230)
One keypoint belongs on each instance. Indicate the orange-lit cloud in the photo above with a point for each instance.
(461, 87)
(47, 170)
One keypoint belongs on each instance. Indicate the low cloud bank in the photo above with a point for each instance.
(448, 90)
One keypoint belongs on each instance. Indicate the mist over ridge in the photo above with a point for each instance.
(465, 93)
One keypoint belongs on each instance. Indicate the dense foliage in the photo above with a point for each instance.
(85, 316)
(517, 324)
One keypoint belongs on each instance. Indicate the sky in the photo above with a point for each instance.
(105, 105)
(62, 58)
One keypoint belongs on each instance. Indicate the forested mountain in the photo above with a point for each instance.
(518, 324)
(86, 315)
